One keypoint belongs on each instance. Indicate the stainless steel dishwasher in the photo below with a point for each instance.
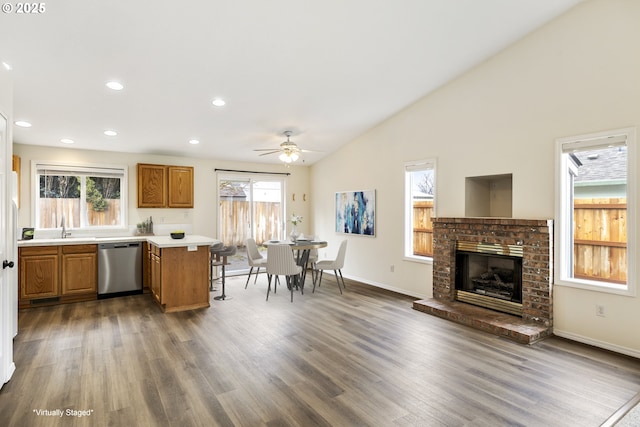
(119, 268)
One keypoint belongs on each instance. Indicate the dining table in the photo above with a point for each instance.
(301, 248)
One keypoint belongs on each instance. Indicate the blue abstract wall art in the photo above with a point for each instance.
(356, 212)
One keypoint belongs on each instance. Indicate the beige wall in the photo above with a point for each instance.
(202, 218)
(579, 74)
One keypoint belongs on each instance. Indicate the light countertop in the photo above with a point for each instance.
(188, 240)
(160, 241)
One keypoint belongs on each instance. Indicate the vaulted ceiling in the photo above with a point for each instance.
(326, 70)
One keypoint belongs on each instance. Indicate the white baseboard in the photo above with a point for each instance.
(383, 286)
(597, 343)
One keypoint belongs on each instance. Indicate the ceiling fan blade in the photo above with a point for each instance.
(267, 149)
(270, 152)
(311, 151)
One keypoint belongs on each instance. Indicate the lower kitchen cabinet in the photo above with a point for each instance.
(57, 274)
(39, 273)
(79, 269)
(156, 273)
(180, 277)
(146, 266)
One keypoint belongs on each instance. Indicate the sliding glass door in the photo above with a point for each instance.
(250, 205)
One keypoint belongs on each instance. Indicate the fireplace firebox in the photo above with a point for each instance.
(489, 275)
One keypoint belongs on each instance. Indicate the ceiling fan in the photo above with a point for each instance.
(289, 150)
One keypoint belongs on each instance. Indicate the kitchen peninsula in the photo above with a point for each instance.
(179, 270)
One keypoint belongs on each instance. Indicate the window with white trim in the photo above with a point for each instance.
(86, 196)
(595, 211)
(420, 192)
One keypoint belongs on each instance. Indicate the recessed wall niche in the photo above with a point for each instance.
(489, 196)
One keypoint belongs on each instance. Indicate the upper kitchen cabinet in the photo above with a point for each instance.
(161, 186)
(152, 187)
(180, 186)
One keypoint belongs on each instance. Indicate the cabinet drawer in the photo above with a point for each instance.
(79, 249)
(38, 250)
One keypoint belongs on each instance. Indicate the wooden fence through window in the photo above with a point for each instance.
(423, 227)
(51, 211)
(600, 239)
(235, 215)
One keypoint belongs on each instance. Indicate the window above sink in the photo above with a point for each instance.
(87, 196)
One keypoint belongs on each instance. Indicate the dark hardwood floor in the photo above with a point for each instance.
(364, 358)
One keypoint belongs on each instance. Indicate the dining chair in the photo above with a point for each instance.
(254, 258)
(280, 262)
(332, 264)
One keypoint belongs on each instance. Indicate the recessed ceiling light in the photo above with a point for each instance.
(110, 132)
(66, 141)
(194, 141)
(7, 66)
(115, 85)
(22, 123)
(218, 102)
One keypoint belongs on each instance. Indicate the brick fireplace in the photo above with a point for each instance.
(534, 238)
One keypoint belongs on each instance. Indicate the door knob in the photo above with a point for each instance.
(6, 264)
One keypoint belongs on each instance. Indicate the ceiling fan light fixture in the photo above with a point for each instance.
(285, 157)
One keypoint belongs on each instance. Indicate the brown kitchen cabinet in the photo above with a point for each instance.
(152, 186)
(180, 186)
(39, 275)
(180, 277)
(162, 186)
(79, 269)
(146, 265)
(51, 275)
(156, 273)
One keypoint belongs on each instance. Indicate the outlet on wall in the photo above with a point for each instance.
(599, 310)
(393, 267)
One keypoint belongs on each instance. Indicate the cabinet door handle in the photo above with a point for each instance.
(6, 264)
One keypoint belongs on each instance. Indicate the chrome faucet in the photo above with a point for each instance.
(63, 224)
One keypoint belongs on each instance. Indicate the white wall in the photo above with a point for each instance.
(577, 75)
(202, 218)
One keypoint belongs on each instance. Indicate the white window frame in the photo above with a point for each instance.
(83, 169)
(408, 206)
(563, 257)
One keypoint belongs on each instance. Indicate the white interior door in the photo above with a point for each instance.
(8, 307)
